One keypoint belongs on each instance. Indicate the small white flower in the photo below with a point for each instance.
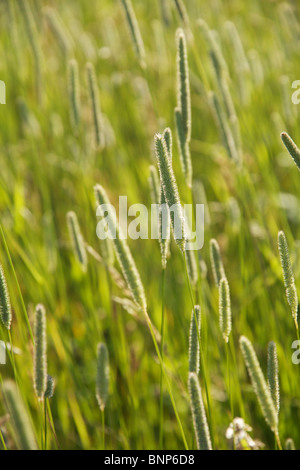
(237, 432)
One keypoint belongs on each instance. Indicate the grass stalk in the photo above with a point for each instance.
(103, 427)
(204, 374)
(166, 380)
(45, 421)
(17, 283)
(161, 401)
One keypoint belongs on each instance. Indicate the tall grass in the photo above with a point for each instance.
(82, 108)
(20, 421)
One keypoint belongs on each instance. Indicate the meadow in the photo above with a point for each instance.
(149, 346)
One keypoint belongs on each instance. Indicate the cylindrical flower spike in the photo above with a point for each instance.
(5, 307)
(154, 185)
(135, 33)
(199, 416)
(291, 148)
(288, 276)
(34, 42)
(167, 135)
(164, 213)
(289, 444)
(213, 45)
(122, 251)
(259, 384)
(49, 392)
(225, 131)
(77, 239)
(273, 375)
(192, 269)
(170, 189)
(216, 261)
(102, 379)
(183, 119)
(158, 198)
(40, 352)
(180, 7)
(59, 30)
(194, 346)
(224, 309)
(99, 137)
(183, 85)
(74, 93)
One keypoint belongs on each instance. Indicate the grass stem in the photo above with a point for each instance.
(161, 404)
(201, 350)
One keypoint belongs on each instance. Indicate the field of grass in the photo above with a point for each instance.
(242, 60)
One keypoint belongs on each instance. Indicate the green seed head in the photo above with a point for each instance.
(192, 268)
(213, 45)
(99, 136)
(216, 261)
(154, 185)
(199, 416)
(165, 11)
(34, 42)
(183, 110)
(170, 190)
(288, 276)
(273, 375)
(164, 229)
(259, 384)
(50, 387)
(107, 252)
(5, 307)
(167, 136)
(183, 85)
(200, 198)
(77, 239)
(194, 346)
(289, 444)
(241, 61)
(224, 128)
(224, 309)
(102, 379)
(135, 33)
(291, 148)
(40, 352)
(181, 10)
(59, 30)
(158, 198)
(164, 213)
(122, 251)
(74, 93)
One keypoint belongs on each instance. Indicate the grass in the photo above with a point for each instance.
(240, 94)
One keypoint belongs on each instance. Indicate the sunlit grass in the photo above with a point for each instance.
(49, 168)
